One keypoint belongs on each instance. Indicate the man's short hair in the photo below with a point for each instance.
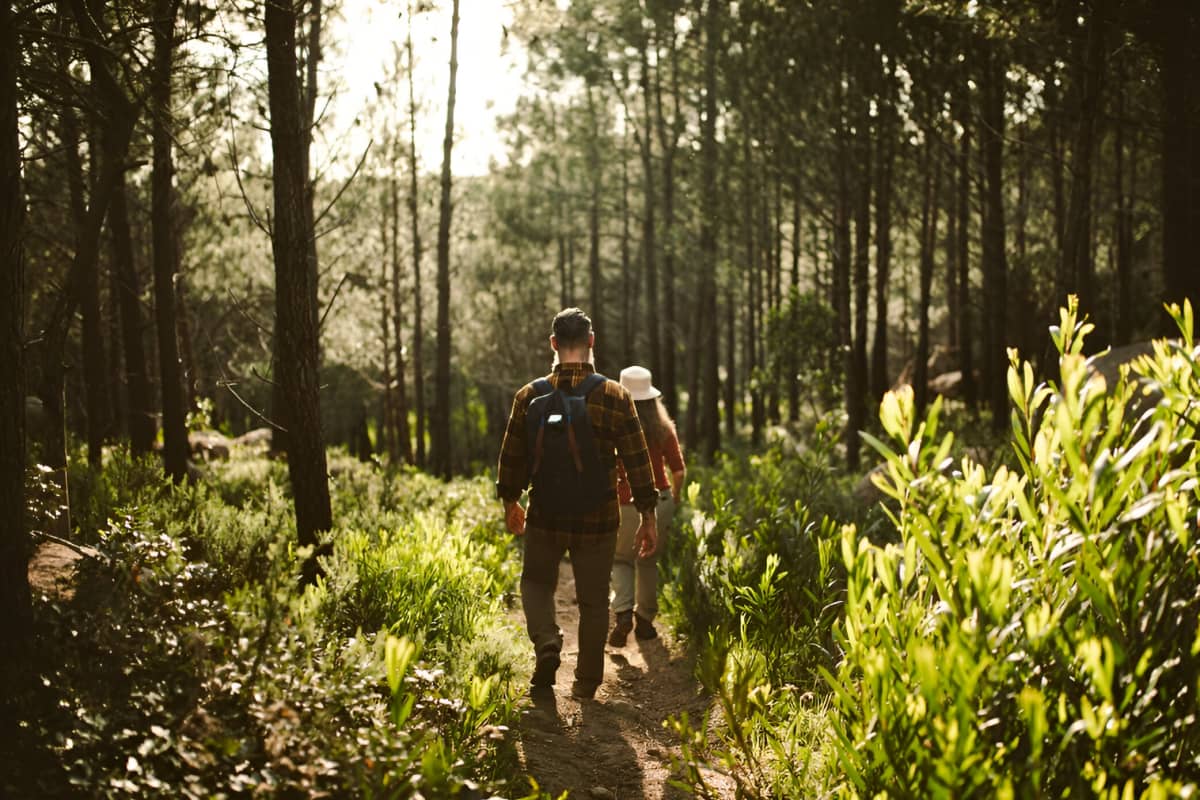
(571, 328)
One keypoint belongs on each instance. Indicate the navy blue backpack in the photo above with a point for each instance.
(569, 476)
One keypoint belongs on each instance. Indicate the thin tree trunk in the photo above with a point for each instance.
(650, 320)
(414, 207)
(295, 312)
(1124, 215)
(880, 378)
(166, 254)
(627, 296)
(753, 300)
(595, 174)
(995, 263)
(708, 229)
(793, 378)
(669, 141)
(15, 601)
(387, 426)
(862, 268)
(141, 425)
(966, 342)
(403, 439)
(1077, 246)
(929, 224)
(442, 462)
(841, 287)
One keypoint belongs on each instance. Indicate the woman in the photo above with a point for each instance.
(634, 579)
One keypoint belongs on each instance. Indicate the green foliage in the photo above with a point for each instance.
(188, 664)
(1033, 633)
(757, 579)
(803, 336)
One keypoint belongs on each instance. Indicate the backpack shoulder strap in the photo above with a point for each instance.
(542, 386)
(587, 384)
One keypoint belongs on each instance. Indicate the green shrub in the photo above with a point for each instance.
(1033, 633)
(190, 665)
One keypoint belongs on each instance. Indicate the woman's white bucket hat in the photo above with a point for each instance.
(638, 381)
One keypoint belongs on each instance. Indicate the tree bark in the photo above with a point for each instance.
(1180, 70)
(141, 424)
(1124, 215)
(1077, 246)
(880, 378)
(414, 207)
(862, 268)
(669, 142)
(442, 463)
(295, 311)
(15, 603)
(929, 225)
(708, 229)
(166, 253)
(403, 439)
(649, 243)
(995, 262)
(793, 367)
(841, 286)
(966, 344)
(596, 177)
(387, 432)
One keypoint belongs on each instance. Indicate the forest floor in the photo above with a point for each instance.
(616, 745)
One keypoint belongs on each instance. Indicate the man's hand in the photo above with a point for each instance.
(646, 540)
(514, 517)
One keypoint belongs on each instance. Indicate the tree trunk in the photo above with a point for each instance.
(793, 378)
(1180, 70)
(966, 344)
(929, 224)
(628, 301)
(708, 230)
(995, 263)
(862, 268)
(296, 321)
(166, 254)
(15, 604)
(442, 463)
(1077, 246)
(387, 433)
(649, 244)
(595, 174)
(753, 299)
(1124, 215)
(414, 207)
(402, 437)
(841, 288)
(880, 378)
(141, 425)
(669, 141)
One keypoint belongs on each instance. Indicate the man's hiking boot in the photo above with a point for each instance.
(584, 690)
(645, 629)
(543, 671)
(620, 631)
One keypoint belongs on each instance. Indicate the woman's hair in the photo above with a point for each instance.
(656, 424)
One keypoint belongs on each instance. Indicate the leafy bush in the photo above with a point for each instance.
(189, 665)
(1034, 633)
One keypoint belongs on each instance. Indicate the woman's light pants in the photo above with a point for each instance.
(635, 580)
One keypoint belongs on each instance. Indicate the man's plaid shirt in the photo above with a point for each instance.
(617, 431)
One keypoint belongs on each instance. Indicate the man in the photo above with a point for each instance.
(589, 536)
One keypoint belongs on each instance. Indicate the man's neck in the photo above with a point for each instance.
(572, 356)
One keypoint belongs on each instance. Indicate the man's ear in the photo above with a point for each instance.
(591, 340)
(553, 343)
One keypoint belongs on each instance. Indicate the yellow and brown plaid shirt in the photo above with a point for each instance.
(617, 432)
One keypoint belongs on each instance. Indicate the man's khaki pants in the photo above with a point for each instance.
(591, 561)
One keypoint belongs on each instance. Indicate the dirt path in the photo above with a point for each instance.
(614, 746)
